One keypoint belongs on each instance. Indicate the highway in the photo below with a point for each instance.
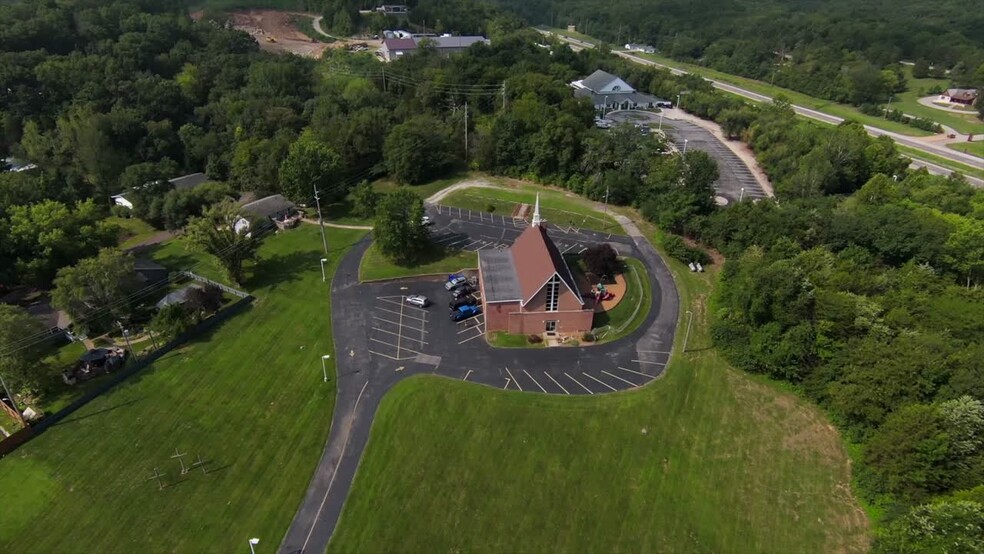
(940, 151)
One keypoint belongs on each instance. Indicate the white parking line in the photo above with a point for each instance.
(421, 329)
(579, 383)
(645, 362)
(391, 357)
(398, 336)
(401, 304)
(534, 380)
(581, 251)
(599, 380)
(556, 383)
(457, 242)
(636, 372)
(619, 378)
(514, 379)
(465, 378)
(479, 334)
(506, 386)
(404, 315)
(486, 245)
(653, 351)
(470, 244)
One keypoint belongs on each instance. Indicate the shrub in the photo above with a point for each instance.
(534, 339)
(602, 260)
(678, 249)
(587, 336)
(490, 208)
(121, 211)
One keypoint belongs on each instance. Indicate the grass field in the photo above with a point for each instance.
(631, 312)
(706, 459)
(557, 207)
(975, 148)
(438, 259)
(341, 212)
(918, 88)
(133, 231)
(919, 155)
(248, 397)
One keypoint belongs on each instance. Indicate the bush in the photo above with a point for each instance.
(679, 250)
(926, 125)
(602, 260)
(587, 336)
(121, 211)
(534, 339)
(490, 208)
(870, 109)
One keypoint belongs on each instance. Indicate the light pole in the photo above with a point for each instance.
(323, 276)
(661, 120)
(678, 101)
(253, 542)
(742, 195)
(685, 141)
(604, 110)
(686, 339)
(889, 107)
(324, 370)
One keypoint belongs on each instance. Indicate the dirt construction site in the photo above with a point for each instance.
(277, 31)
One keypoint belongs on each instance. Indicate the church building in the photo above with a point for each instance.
(528, 288)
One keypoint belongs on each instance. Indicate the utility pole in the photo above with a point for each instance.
(126, 336)
(606, 199)
(321, 221)
(466, 131)
(686, 339)
(503, 95)
(13, 403)
(384, 78)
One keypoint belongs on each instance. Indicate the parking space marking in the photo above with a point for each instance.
(653, 351)
(465, 378)
(599, 380)
(619, 378)
(645, 362)
(421, 329)
(405, 315)
(579, 383)
(374, 339)
(568, 249)
(556, 383)
(506, 386)
(390, 357)
(471, 338)
(585, 248)
(534, 380)
(398, 337)
(514, 379)
(636, 372)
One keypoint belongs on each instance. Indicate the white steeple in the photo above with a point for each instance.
(536, 211)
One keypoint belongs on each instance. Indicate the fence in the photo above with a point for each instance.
(6, 446)
(207, 281)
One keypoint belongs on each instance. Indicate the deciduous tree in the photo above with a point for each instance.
(397, 230)
(215, 233)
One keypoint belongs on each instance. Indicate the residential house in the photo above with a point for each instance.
(529, 288)
(149, 272)
(393, 9)
(644, 48)
(273, 209)
(179, 297)
(608, 92)
(179, 183)
(964, 96)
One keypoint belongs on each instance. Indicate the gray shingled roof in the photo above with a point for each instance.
(179, 296)
(188, 181)
(454, 42)
(269, 206)
(499, 279)
(598, 80)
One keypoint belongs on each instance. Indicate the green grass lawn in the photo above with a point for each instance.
(557, 207)
(436, 260)
(176, 254)
(706, 459)
(133, 231)
(248, 397)
(502, 339)
(631, 312)
(908, 102)
(956, 166)
(975, 148)
(341, 211)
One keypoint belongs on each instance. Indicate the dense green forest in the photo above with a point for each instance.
(860, 285)
(841, 50)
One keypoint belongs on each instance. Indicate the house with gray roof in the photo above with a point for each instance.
(446, 45)
(608, 92)
(185, 182)
(273, 209)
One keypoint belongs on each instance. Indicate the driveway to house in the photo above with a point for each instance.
(379, 340)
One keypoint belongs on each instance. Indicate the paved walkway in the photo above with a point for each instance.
(380, 340)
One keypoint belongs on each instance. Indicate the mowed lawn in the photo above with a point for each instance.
(436, 260)
(561, 209)
(706, 459)
(248, 397)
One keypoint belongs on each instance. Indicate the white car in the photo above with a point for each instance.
(417, 300)
(426, 220)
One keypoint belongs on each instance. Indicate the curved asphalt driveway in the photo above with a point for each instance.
(379, 341)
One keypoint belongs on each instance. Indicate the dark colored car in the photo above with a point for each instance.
(463, 301)
(464, 312)
(462, 290)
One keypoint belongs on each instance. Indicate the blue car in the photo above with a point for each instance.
(464, 312)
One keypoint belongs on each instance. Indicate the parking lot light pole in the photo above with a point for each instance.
(685, 141)
(253, 542)
(323, 276)
(324, 369)
(742, 195)
(661, 120)
(690, 324)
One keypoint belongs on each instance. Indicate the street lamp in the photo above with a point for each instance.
(678, 101)
(661, 120)
(323, 276)
(685, 141)
(742, 195)
(324, 370)
(253, 542)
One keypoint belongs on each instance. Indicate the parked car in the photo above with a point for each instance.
(426, 220)
(463, 301)
(455, 281)
(461, 290)
(464, 312)
(418, 300)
